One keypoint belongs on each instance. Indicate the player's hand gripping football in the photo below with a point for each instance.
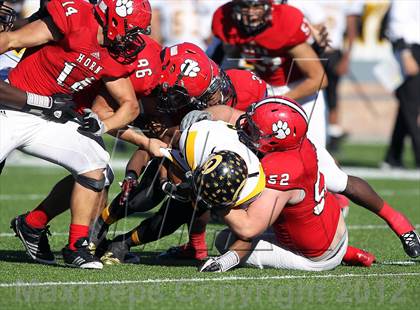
(130, 182)
(91, 124)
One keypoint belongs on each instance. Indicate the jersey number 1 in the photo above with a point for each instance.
(77, 86)
(319, 194)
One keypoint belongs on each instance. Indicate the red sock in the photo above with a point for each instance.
(350, 254)
(198, 243)
(396, 220)
(37, 218)
(77, 232)
(358, 257)
(198, 240)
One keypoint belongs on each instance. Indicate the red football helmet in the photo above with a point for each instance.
(252, 16)
(273, 124)
(186, 74)
(220, 90)
(123, 22)
(7, 17)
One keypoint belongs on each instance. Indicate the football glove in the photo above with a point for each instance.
(130, 182)
(58, 107)
(62, 109)
(91, 124)
(180, 192)
(221, 263)
(193, 117)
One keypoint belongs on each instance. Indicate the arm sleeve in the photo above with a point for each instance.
(58, 15)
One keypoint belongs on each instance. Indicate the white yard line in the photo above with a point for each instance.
(220, 279)
(184, 231)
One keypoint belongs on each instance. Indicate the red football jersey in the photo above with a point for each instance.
(268, 50)
(148, 67)
(73, 63)
(308, 227)
(144, 78)
(249, 88)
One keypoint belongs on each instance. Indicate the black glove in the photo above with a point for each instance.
(210, 265)
(91, 124)
(180, 192)
(62, 109)
(130, 182)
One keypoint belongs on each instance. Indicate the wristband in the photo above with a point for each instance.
(228, 260)
(38, 101)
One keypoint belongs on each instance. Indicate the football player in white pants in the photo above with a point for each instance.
(336, 180)
(309, 229)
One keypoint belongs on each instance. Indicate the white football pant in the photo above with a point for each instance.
(266, 253)
(60, 144)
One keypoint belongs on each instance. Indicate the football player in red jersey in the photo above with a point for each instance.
(272, 38)
(80, 44)
(144, 80)
(310, 233)
(354, 188)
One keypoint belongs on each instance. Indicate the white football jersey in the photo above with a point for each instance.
(206, 137)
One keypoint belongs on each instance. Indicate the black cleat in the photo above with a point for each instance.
(411, 243)
(34, 240)
(81, 257)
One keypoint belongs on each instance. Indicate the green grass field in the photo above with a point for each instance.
(392, 283)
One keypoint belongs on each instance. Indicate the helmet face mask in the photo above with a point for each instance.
(126, 48)
(220, 91)
(219, 181)
(7, 17)
(172, 99)
(252, 16)
(123, 22)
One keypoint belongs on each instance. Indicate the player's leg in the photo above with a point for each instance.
(171, 215)
(145, 196)
(16, 129)
(2, 163)
(361, 193)
(196, 247)
(314, 107)
(266, 253)
(86, 159)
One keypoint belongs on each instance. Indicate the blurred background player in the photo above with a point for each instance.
(341, 20)
(273, 40)
(404, 34)
(177, 21)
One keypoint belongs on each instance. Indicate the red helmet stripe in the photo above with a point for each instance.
(285, 102)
